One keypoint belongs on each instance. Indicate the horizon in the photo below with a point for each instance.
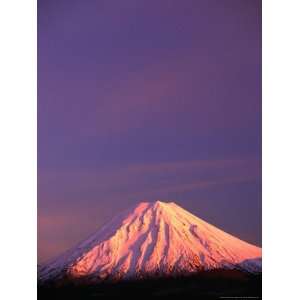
(153, 237)
(147, 100)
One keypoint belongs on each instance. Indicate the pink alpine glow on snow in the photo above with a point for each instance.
(153, 239)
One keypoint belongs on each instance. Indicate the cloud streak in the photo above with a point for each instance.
(87, 193)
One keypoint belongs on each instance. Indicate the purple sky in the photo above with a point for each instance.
(146, 100)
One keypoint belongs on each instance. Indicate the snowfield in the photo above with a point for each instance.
(150, 239)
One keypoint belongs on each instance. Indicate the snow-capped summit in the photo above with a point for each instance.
(153, 238)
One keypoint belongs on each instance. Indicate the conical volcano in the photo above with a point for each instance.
(153, 239)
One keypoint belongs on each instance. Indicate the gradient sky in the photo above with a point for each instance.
(146, 100)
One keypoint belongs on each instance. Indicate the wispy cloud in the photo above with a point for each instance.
(75, 202)
(142, 177)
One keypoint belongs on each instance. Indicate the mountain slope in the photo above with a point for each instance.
(153, 239)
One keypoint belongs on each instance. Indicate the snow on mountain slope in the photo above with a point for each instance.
(153, 239)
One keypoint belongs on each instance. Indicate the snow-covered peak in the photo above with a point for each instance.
(153, 238)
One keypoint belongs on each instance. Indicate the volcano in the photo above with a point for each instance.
(152, 239)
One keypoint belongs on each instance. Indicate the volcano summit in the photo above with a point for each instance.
(152, 239)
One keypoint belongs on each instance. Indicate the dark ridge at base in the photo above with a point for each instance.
(205, 285)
